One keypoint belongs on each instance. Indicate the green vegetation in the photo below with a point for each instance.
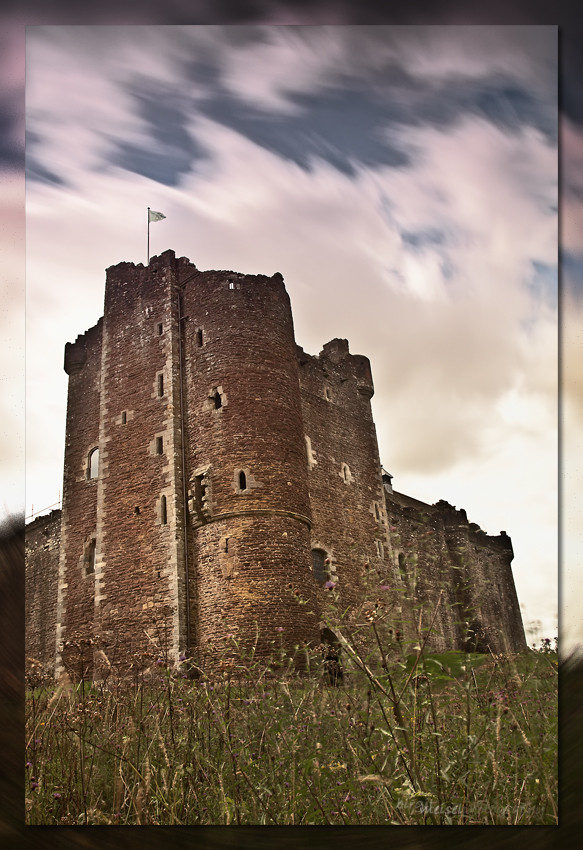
(404, 737)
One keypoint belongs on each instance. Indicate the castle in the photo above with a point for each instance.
(218, 478)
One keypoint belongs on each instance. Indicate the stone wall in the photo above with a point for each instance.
(346, 489)
(439, 555)
(76, 583)
(42, 548)
(247, 467)
(237, 475)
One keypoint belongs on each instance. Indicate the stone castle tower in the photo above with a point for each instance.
(216, 476)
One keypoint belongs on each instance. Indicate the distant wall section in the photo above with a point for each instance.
(42, 547)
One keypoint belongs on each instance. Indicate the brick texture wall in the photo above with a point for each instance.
(42, 548)
(244, 418)
(438, 554)
(227, 455)
(76, 581)
(346, 489)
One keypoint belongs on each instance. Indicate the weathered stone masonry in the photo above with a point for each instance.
(216, 476)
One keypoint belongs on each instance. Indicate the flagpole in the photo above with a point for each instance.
(148, 257)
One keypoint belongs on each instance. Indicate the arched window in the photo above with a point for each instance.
(93, 463)
(242, 481)
(346, 474)
(319, 565)
(218, 400)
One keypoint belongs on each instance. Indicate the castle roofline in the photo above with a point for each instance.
(168, 257)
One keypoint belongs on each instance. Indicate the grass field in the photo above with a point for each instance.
(402, 738)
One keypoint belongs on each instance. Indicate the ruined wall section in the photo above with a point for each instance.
(346, 489)
(439, 555)
(138, 548)
(485, 563)
(76, 579)
(248, 489)
(42, 550)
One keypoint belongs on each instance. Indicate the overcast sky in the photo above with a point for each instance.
(403, 181)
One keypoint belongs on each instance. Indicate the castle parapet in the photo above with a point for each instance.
(354, 366)
(76, 352)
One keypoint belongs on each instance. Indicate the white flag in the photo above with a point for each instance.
(155, 216)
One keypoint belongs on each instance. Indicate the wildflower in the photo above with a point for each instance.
(384, 587)
(279, 629)
(56, 795)
(28, 764)
(34, 785)
(329, 585)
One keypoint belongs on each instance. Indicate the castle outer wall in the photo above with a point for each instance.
(216, 476)
(42, 551)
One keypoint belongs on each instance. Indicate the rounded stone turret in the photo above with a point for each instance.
(248, 496)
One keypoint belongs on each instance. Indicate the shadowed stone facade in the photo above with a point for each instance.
(216, 476)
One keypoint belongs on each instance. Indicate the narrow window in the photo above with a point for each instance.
(200, 488)
(160, 385)
(160, 329)
(93, 463)
(159, 445)
(319, 565)
(124, 417)
(137, 510)
(380, 549)
(242, 481)
(163, 511)
(199, 337)
(376, 510)
(328, 394)
(402, 568)
(231, 285)
(92, 556)
(226, 544)
(218, 400)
